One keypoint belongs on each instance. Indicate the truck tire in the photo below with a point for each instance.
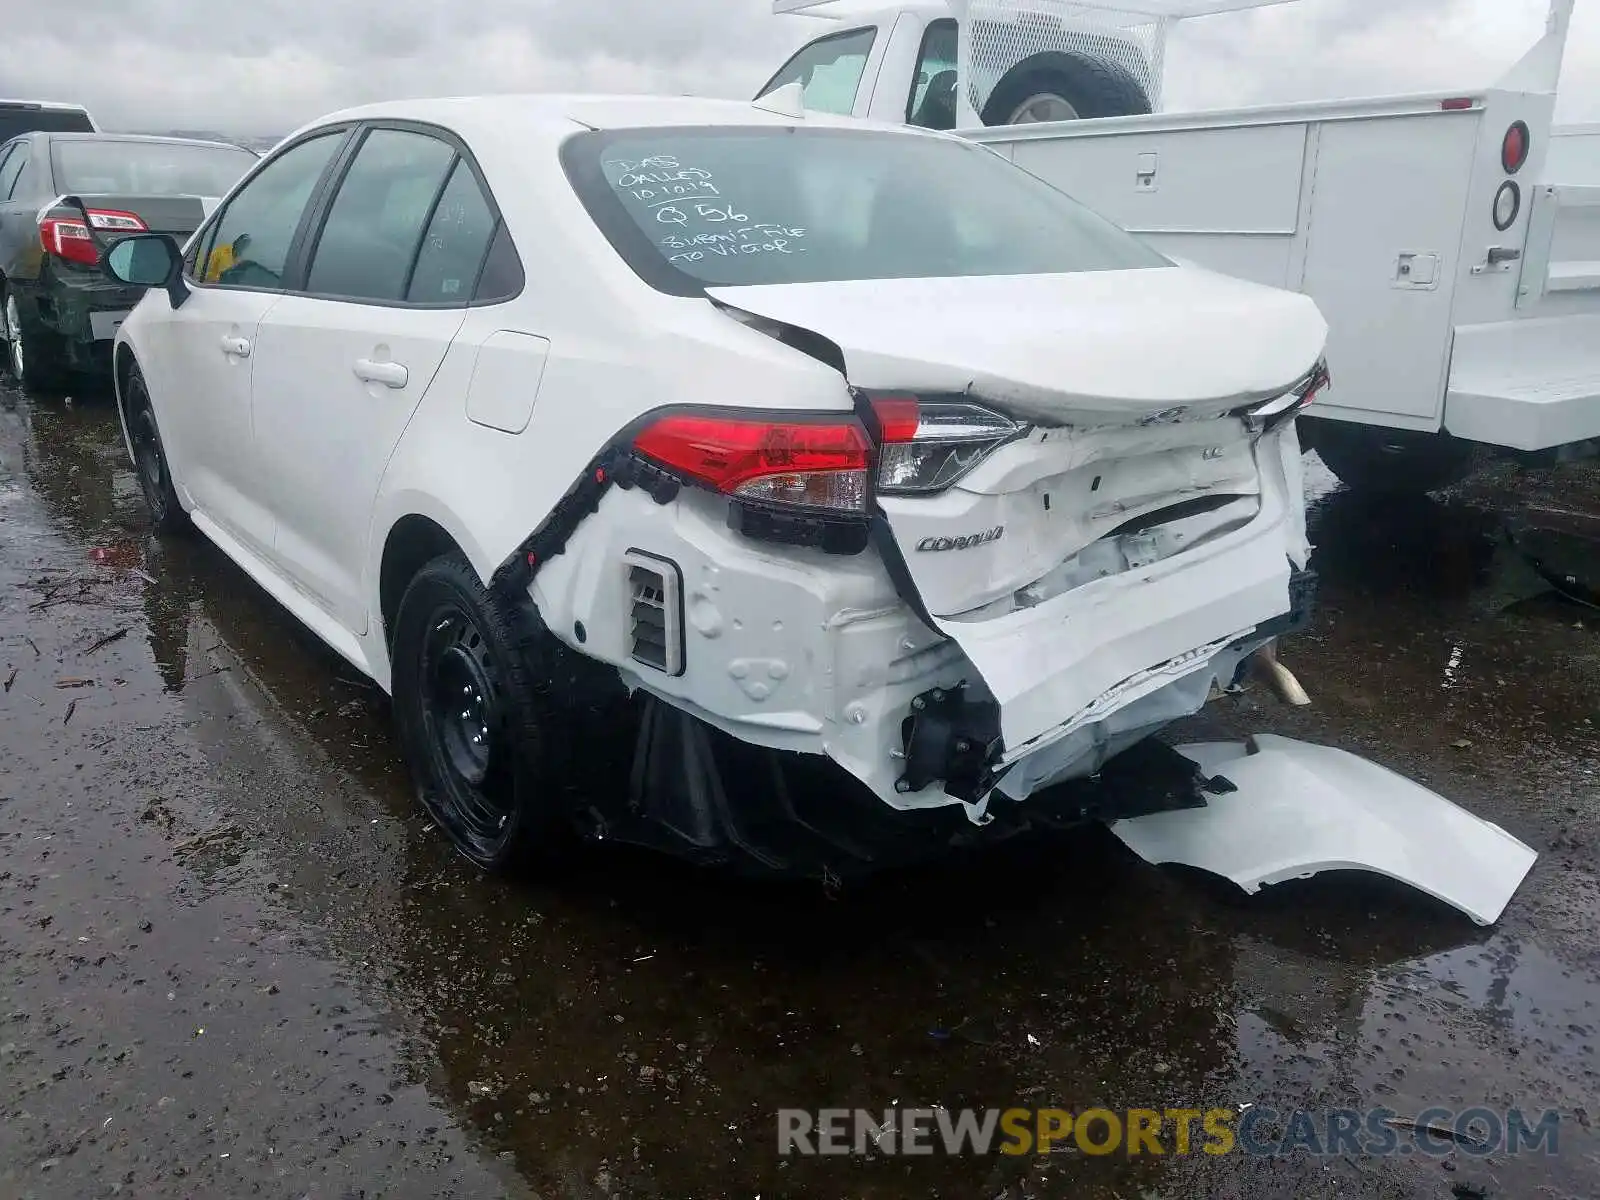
(1367, 458)
(33, 358)
(1053, 82)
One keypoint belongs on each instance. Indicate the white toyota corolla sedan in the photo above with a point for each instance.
(767, 487)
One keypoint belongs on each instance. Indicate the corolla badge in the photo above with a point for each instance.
(970, 541)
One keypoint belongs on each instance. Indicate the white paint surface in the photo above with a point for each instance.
(1302, 809)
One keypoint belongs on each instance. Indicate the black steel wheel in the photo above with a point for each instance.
(471, 717)
(150, 457)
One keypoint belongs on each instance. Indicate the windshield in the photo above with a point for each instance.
(689, 208)
(93, 167)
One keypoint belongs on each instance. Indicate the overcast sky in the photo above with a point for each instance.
(263, 66)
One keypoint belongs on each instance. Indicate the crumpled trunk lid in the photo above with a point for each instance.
(1090, 348)
(1103, 550)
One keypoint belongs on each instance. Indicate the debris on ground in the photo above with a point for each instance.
(108, 640)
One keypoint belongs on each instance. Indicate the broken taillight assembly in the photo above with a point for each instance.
(1264, 417)
(791, 462)
(70, 239)
(926, 445)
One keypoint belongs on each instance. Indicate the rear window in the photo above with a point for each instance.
(16, 119)
(689, 208)
(147, 168)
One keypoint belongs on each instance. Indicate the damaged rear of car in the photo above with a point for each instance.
(1044, 496)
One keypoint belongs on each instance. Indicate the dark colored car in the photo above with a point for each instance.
(36, 116)
(58, 311)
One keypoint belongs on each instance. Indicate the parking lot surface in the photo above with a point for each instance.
(235, 961)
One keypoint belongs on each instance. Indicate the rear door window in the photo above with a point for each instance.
(23, 183)
(452, 252)
(10, 164)
(375, 226)
(250, 242)
(829, 70)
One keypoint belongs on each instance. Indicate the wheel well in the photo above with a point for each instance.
(122, 364)
(414, 542)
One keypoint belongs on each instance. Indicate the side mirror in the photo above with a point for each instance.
(148, 260)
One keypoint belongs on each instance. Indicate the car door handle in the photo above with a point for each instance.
(390, 374)
(236, 347)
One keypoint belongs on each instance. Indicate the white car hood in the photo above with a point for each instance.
(1303, 809)
(1116, 345)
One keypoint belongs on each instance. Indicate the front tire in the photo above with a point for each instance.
(150, 457)
(33, 356)
(472, 719)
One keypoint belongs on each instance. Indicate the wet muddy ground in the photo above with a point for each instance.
(234, 960)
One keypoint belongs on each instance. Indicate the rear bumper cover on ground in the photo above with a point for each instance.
(1300, 810)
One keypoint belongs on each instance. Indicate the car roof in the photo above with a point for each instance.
(556, 117)
(136, 137)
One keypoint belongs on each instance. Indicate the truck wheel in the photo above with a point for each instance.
(1369, 459)
(150, 457)
(1063, 87)
(32, 356)
(471, 721)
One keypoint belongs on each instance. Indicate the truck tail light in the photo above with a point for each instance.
(69, 238)
(787, 462)
(927, 445)
(1516, 147)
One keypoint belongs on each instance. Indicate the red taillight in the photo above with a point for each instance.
(1514, 149)
(69, 237)
(899, 417)
(1457, 103)
(814, 464)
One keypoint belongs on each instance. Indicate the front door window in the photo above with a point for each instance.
(933, 88)
(829, 70)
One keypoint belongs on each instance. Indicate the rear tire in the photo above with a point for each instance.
(1088, 87)
(1394, 461)
(150, 457)
(472, 719)
(33, 355)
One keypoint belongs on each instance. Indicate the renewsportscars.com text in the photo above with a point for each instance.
(1258, 1130)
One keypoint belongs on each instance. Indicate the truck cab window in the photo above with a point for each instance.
(933, 89)
(829, 70)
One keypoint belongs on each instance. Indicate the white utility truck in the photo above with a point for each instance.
(1452, 240)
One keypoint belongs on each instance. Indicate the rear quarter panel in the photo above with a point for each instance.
(617, 350)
